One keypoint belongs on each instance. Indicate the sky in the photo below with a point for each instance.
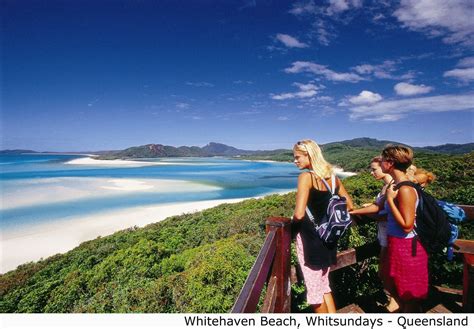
(111, 74)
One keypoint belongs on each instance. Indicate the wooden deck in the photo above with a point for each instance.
(272, 268)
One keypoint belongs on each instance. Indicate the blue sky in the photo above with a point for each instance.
(97, 75)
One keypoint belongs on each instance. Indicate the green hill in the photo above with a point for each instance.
(163, 151)
(452, 148)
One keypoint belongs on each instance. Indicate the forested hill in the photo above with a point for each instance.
(336, 152)
(452, 148)
(162, 151)
(15, 152)
(362, 145)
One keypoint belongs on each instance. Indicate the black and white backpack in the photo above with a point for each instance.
(336, 220)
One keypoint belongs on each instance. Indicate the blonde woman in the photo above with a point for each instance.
(314, 256)
(424, 177)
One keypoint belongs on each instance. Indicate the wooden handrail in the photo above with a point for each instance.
(275, 255)
(466, 247)
(272, 266)
(278, 300)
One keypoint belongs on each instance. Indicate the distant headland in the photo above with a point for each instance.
(218, 149)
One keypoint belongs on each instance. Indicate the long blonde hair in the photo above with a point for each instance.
(319, 165)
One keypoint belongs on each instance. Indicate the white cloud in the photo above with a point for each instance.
(339, 6)
(282, 118)
(365, 98)
(364, 69)
(303, 8)
(306, 90)
(466, 62)
(464, 75)
(241, 82)
(385, 70)
(325, 98)
(464, 72)
(306, 87)
(407, 89)
(323, 32)
(450, 19)
(318, 69)
(248, 4)
(325, 16)
(290, 41)
(183, 106)
(299, 94)
(396, 109)
(386, 118)
(199, 84)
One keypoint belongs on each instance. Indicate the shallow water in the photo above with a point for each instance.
(37, 188)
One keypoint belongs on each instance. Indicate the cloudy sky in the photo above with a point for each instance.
(96, 75)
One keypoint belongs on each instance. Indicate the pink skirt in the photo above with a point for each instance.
(316, 279)
(409, 273)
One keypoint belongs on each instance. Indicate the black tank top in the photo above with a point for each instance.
(316, 252)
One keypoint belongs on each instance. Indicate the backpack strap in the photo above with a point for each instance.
(333, 183)
(408, 183)
(418, 190)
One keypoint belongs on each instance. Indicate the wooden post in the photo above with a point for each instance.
(281, 267)
(468, 284)
(250, 294)
(467, 248)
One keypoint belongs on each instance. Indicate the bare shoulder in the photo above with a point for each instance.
(407, 191)
(305, 179)
(304, 176)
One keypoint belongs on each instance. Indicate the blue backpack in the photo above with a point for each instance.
(435, 226)
(336, 220)
(456, 215)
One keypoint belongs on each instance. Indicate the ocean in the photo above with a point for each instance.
(38, 188)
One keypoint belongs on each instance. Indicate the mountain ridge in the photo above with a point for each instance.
(220, 149)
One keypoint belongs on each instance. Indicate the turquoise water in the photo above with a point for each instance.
(29, 177)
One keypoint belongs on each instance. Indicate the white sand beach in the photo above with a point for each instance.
(89, 161)
(42, 191)
(44, 240)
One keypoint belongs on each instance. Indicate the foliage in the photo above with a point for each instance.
(190, 263)
(198, 262)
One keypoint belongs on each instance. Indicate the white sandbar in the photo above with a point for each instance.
(31, 192)
(114, 163)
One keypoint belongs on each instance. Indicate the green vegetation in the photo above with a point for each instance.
(190, 263)
(199, 262)
(163, 151)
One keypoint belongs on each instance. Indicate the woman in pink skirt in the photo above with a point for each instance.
(407, 258)
(314, 256)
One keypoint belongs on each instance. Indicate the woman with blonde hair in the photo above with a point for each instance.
(424, 177)
(408, 259)
(315, 257)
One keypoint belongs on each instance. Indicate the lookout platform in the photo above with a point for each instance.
(272, 270)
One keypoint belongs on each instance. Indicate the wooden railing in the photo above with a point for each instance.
(274, 256)
(272, 268)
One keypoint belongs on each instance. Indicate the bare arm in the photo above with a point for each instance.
(404, 213)
(302, 194)
(373, 208)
